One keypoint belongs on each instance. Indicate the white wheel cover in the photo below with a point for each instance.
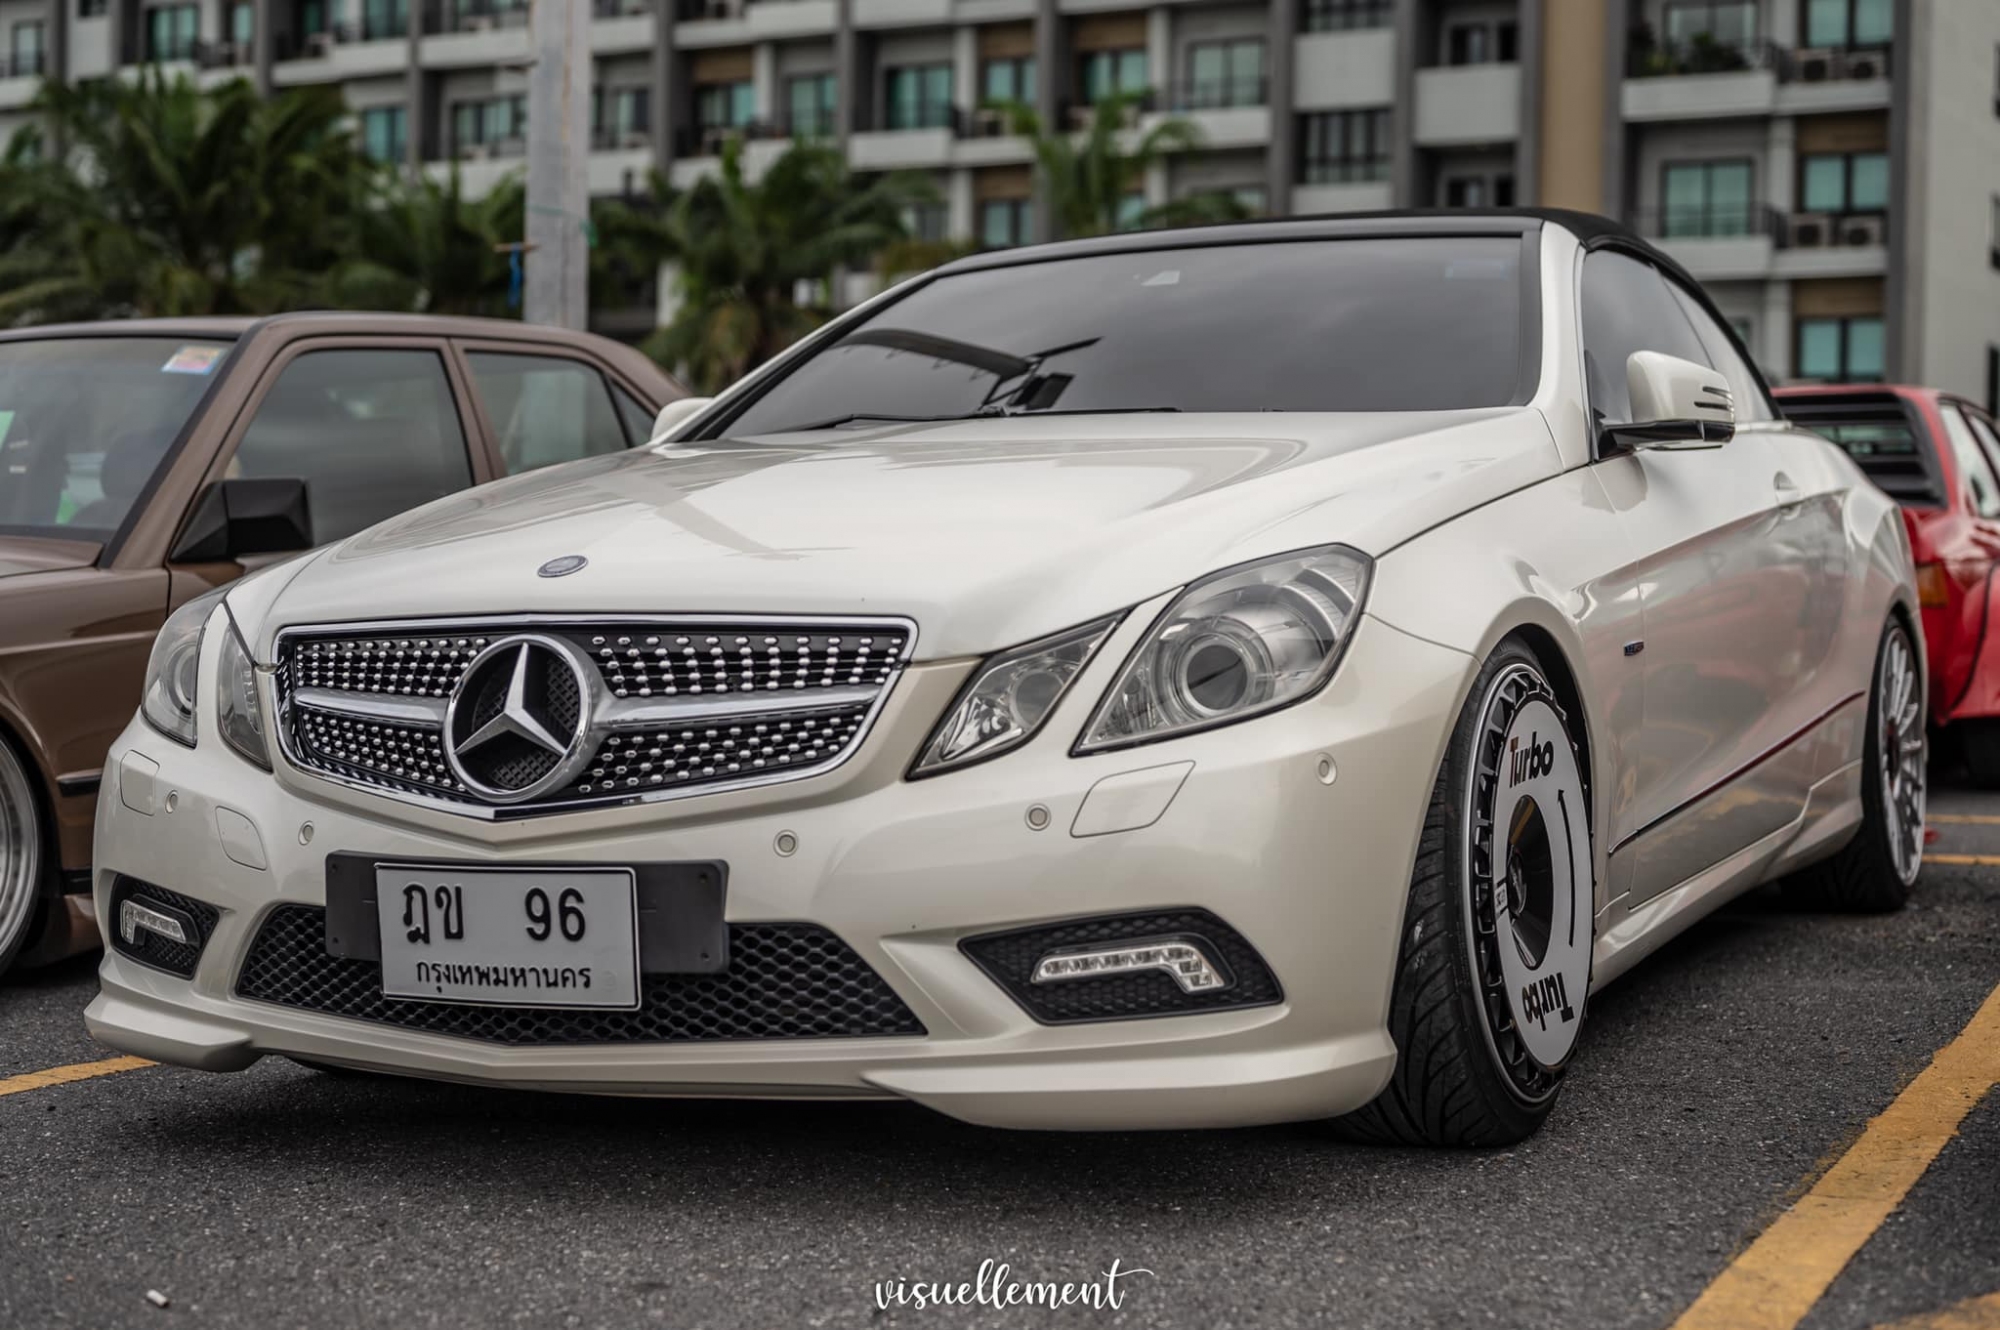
(1546, 998)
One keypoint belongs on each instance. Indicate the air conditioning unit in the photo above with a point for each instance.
(1868, 65)
(635, 138)
(476, 23)
(1860, 232)
(476, 152)
(1815, 65)
(319, 45)
(510, 147)
(989, 122)
(1812, 230)
(719, 9)
(712, 139)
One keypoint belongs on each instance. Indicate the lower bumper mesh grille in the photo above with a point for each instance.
(784, 981)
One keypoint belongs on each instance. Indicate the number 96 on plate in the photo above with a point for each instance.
(509, 937)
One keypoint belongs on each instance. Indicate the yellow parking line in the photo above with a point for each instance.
(1972, 1314)
(80, 1071)
(1773, 1284)
(1979, 860)
(1964, 819)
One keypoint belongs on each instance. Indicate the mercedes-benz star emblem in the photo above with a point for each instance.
(517, 723)
(563, 567)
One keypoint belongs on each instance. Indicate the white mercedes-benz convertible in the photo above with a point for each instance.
(1197, 678)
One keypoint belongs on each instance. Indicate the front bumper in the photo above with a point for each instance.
(1312, 870)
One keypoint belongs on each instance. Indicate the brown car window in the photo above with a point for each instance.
(545, 409)
(84, 423)
(372, 433)
(638, 417)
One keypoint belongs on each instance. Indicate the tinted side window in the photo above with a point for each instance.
(638, 417)
(1626, 308)
(545, 409)
(372, 433)
(1751, 403)
(1982, 488)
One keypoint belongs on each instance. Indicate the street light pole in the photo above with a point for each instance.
(556, 287)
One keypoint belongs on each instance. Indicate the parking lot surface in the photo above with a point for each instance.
(1716, 1087)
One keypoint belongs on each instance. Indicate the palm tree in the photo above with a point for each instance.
(176, 201)
(1092, 179)
(424, 246)
(757, 259)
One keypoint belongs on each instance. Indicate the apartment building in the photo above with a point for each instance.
(1831, 168)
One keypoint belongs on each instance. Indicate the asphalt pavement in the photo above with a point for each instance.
(1715, 1084)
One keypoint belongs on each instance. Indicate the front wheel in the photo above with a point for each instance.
(21, 866)
(1873, 872)
(1494, 964)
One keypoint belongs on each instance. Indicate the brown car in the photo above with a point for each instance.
(144, 462)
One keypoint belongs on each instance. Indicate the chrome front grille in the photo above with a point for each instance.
(628, 709)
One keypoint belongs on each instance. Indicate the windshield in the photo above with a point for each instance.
(1407, 324)
(84, 422)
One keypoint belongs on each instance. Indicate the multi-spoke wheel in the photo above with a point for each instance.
(20, 856)
(1875, 870)
(1494, 966)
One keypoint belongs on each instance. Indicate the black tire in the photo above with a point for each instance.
(1873, 873)
(1464, 1074)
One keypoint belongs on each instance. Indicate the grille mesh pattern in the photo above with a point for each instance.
(1009, 958)
(150, 948)
(403, 666)
(784, 981)
(647, 759)
(375, 749)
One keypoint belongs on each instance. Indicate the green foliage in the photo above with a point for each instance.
(1089, 178)
(757, 259)
(424, 247)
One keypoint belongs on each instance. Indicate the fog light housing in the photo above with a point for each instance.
(1182, 959)
(158, 928)
(135, 917)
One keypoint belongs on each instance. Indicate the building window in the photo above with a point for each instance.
(1225, 74)
(1729, 23)
(1009, 81)
(491, 123)
(383, 130)
(172, 31)
(1482, 43)
(725, 105)
(1340, 147)
(1846, 350)
(622, 117)
(383, 19)
(1106, 74)
(810, 106)
(928, 222)
(1006, 222)
(1849, 23)
(1479, 191)
(1345, 15)
(1848, 182)
(92, 8)
(25, 50)
(1705, 199)
(920, 97)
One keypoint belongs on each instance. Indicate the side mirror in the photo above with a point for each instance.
(235, 518)
(1675, 404)
(673, 414)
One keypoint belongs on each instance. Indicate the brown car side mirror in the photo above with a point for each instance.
(235, 518)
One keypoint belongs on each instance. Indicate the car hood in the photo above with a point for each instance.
(987, 532)
(37, 554)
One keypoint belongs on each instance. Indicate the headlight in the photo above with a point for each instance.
(237, 712)
(1009, 698)
(1242, 642)
(168, 700)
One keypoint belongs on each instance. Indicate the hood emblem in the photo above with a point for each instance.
(519, 719)
(563, 567)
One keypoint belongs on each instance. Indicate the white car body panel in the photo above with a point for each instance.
(1719, 628)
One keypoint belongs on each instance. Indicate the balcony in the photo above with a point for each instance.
(1334, 71)
(1710, 79)
(455, 16)
(1466, 105)
(22, 64)
(1217, 95)
(1759, 242)
(620, 8)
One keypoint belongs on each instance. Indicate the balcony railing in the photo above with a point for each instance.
(223, 55)
(618, 140)
(1648, 57)
(22, 64)
(442, 16)
(1218, 94)
(480, 150)
(620, 8)
(1793, 230)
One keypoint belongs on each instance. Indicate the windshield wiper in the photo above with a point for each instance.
(985, 413)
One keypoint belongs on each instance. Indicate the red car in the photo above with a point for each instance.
(1939, 456)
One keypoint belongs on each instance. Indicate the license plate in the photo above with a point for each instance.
(520, 937)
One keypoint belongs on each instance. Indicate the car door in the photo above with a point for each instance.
(374, 427)
(542, 405)
(1727, 585)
